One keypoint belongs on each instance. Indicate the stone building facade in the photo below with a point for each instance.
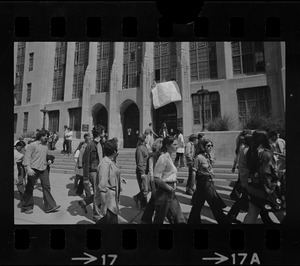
(81, 84)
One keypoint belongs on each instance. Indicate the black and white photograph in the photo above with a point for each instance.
(149, 132)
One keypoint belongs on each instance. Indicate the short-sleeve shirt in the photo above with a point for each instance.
(202, 165)
(165, 168)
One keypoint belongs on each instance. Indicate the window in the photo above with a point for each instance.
(59, 71)
(15, 122)
(196, 108)
(21, 47)
(248, 57)
(80, 64)
(203, 60)
(75, 121)
(53, 120)
(31, 61)
(132, 64)
(211, 107)
(104, 63)
(165, 61)
(25, 123)
(28, 96)
(253, 101)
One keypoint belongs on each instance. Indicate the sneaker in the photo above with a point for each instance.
(30, 211)
(82, 204)
(54, 209)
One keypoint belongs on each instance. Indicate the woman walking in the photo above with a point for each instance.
(165, 176)
(153, 157)
(205, 190)
(108, 184)
(259, 176)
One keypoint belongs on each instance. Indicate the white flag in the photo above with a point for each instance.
(165, 93)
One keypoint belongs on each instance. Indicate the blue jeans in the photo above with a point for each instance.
(144, 188)
(27, 200)
(206, 191)
(109, 218)
(191, 183)
(165, 202)
(89, 196)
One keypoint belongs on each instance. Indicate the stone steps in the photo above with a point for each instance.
(126, 161)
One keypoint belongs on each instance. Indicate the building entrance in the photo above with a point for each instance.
(166, 114)
(131, 126)
(100, 116)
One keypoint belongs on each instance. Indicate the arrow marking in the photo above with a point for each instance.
(221, 258)
(88, 260)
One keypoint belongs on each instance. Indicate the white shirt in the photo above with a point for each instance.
(165, 168)
(69, 135)
(180, 144)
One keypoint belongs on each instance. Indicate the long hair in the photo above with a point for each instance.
(240, 139)
(259, 138)
(141, 139)
(156, 143)
(168, 140)
(200, 146)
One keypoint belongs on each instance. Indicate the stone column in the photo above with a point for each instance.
(144, 92)
(224, 60)
(69, 76)
(115, 84)
(273, 64)
(86, 118)
(184, 108)
(93, 65)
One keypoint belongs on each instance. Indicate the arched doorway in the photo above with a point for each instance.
(131, 125)
(167, 114)
(100, 116)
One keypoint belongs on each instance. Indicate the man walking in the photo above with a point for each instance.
(91, 158)
(35, 163)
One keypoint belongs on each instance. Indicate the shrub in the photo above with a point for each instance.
(223, 123)
(266, 122)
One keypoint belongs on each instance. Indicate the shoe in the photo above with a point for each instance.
(81, 203)
(235, 221)
(54, 209)
(30, 211)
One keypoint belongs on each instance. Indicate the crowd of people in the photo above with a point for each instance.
(259, 158)
(260, 188)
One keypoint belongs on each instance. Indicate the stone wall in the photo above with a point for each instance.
(223, 150)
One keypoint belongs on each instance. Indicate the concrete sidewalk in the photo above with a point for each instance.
(71, 213)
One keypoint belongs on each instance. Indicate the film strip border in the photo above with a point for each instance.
(152, 244)
(148, 245)
(144, 20)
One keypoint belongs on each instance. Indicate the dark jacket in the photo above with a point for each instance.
(141, 156)
(90, 158)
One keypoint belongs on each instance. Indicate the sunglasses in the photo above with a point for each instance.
(209, 145)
